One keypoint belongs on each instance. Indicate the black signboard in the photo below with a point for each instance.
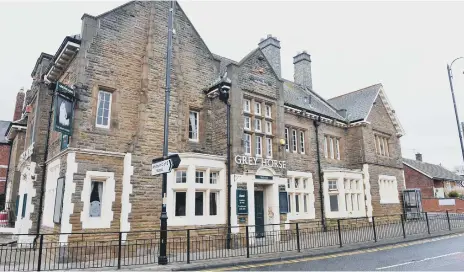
(242, 201)
(263, 177)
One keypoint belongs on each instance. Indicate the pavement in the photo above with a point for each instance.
(439, 254)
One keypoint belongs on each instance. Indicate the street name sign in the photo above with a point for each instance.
(161, 165)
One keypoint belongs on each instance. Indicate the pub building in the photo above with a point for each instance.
(294, 155)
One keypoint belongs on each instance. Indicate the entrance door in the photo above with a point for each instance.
(259, 214)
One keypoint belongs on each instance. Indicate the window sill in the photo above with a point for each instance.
(389, 201)
(193, 141)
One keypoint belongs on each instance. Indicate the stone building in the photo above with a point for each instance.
(285, 138)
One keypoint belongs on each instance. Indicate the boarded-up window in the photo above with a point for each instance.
(58, 201)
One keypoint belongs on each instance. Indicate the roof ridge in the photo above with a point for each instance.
(226, 58)
(355, 91)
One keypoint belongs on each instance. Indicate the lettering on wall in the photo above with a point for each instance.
(240, 159)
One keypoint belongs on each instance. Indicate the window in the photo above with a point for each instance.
(289, 203)
(257, 108)
(181, 176)
(258, 125)
(247, 144)
(246, 105)
(17, 205)
(302, 145)
(269, 147)
(247, 124)
(180, 203)
(283, 202)
(294, 140)
(381, 145)
(213, 177)
(23, 211)
(213, 203)
(388, 189)
(58, 201)
(331, 147)
(259, 146)
(199, 203)
(352, 190)
(268, 127)
(333, 185)
(104, 109)
(302, 194)
(64, 141)
(199, 176)
(193, 126)
(268, 111)
(287, 148)
(333, 203)
(96, 197)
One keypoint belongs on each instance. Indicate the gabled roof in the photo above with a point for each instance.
(432, 171)
(357, 103)
(4, 125)
(224, 63)
(301, 97)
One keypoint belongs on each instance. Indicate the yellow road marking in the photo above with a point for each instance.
(334, 255)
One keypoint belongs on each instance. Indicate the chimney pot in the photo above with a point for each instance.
(418, 157)
(269, 35)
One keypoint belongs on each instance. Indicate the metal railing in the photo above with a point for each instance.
(118, 249)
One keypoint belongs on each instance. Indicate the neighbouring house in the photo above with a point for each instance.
(4, 157)
(294, 155)
(433, 180)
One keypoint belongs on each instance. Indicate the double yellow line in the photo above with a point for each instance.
(336, 255)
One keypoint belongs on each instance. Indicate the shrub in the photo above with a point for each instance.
(453, 194)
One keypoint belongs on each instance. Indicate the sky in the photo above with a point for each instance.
(403, 45)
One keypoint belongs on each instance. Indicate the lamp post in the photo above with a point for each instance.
(162, 258)
(450, 77)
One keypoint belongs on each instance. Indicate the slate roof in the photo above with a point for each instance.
(357, 103)
(432, 170)
(224, 62)
(4, 125)
(301, 97)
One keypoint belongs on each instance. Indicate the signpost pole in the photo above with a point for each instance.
(162, 258)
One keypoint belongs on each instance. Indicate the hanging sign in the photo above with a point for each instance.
(64, 109)
(242, 201)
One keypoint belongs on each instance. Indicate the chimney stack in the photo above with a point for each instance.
(418, 157)
(19, 105)
(271, 49)
(302, 70)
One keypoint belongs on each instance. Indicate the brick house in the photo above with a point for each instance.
(285, 138)
(433, 180)
(4, 155)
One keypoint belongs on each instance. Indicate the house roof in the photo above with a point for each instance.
(432, 170)
(301, 97)
(4, 125)
(357, 103)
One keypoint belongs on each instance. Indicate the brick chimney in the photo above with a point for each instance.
(418, 157)
(271, 49)
(302, 70)
(19, 105)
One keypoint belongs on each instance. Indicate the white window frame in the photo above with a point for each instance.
(247, 118)
(259, 146)
(331, 147)
(294, 141)
(302, 142)
(213, 177)
(193, 163)
(388, 190)
(246, 105)
(268, 128)
(197, 130)
(268, 111)
(258, 108)
(337, 148)
(109, 109)
(247, 144)
(269, 148)
(258, 128)
(287, 140)
(200, 177)
(326, 147)
(293, 192)
(108, 197)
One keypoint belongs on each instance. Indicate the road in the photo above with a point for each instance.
(446, 254)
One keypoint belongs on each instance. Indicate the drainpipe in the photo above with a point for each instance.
(229, 185)
(39, 216)
(321, 175)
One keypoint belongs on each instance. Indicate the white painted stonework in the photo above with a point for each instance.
(388, 190)
(108, 197)
(309, 191)
(69, 189)
(367, 191)
(126, 206)
(23, 224)
(53, 172)
(192, 162)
